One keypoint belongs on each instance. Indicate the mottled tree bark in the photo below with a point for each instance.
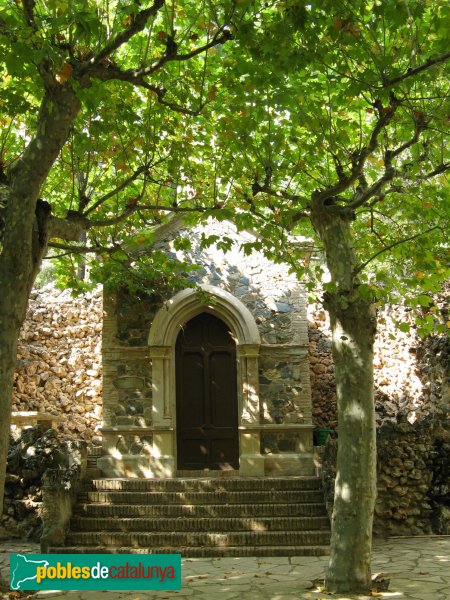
(355, 487)
(353, 322)
(25, 238)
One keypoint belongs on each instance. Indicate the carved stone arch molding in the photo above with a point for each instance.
(164, 330)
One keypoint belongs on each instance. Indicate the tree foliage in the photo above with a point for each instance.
(143, 74)
(323, 118)
(351, 109)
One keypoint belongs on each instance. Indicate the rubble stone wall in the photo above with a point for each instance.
(412, 392)
(413, 482)
(411, 374)
(33, 457)
(59, 360)
(59, 366)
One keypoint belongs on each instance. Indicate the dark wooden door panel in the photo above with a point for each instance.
(207, 434)
(222, 367)
(192, 409)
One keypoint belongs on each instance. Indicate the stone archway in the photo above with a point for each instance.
(162, 339)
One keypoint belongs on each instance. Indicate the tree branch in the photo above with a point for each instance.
(390, 172)
(115, 220)
(216, 40)
(176, 209)
(70, 229)
(138, 23)
(74, 225)
(386, 84)
(359, 268)
(125, 183)
(442, 168)
(431, 62)
(373, 190)
(137, 76)
(398, 189)
(265, 189)
(28, 9)
(83, 249)
(385, 115)
(114, 73)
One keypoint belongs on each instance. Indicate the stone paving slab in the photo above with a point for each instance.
(418, 569)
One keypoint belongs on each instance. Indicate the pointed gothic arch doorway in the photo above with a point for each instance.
(206, 395)
(169, 321)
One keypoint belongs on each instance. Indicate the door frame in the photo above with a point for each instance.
(164, 331)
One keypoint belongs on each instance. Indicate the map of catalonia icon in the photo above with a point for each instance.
(24, 570)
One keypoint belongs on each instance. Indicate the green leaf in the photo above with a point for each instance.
(425, 300)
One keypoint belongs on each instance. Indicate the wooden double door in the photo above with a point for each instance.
(206, 396)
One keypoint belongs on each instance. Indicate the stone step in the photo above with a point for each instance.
(217, 497)
(92, 473)
(194, 510)
(189, 539)
(205, 484)
(201, 516)
(198, 552)
(211, 473)
(219, 524)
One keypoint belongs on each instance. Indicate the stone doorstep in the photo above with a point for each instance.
(199, 552)
(180, 539)
(207, 484)
(217, 497)
(202, 517)
(207, 473)
(191, 510)
(197, 524)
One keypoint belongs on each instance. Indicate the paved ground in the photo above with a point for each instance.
(418, 569)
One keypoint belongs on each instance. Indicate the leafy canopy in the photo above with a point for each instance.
(145, 73)
(345, 104)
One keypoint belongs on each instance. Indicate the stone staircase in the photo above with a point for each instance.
(199, 517)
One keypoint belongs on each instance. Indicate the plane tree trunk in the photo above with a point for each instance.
(24, 238)
(353, 323)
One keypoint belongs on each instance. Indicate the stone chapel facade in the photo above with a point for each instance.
(192, 387)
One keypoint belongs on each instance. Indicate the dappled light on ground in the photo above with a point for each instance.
(417, 569)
